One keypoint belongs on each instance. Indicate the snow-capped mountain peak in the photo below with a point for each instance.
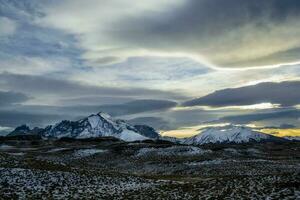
(95, 125)
(228, 134)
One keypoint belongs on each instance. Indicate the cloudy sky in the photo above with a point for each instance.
(178, 65)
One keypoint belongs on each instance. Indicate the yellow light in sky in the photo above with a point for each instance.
(180, 133)
(282, 132)
(259, 106)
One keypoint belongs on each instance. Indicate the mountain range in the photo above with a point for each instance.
(103, 125)
(93, 126)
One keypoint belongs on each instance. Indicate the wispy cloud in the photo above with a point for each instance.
(283, 93)
(139, 58)
(8, 26)
(9, 97)
(226, 34)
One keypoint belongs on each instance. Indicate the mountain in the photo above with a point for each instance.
(97, 125)
(230, 134)
(23, 132)
(20, 130)
(147, 131)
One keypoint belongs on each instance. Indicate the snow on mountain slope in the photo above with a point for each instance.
(98, 125)
(293, 138)
(171, 151)
(229, 134)
(128, 135)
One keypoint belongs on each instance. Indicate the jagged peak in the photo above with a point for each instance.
(20, 130)
(23, 127)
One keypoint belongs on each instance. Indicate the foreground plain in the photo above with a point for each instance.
(111, 169)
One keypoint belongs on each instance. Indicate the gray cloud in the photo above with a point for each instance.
(184, 118)
(95, 100)
(43, 115)
(138, 106)
(43, 85)
(248, 118)
(9, 97)
(157, 123)
(63, 39)
(132, 107)
(173, 119)
(12, 118)
(223, 32)
(284, 93)
(282, 126)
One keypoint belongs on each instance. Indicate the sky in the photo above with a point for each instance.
(179, 66)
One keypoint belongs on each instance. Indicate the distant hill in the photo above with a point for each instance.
(230, 134)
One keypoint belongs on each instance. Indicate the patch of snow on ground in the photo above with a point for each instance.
(34, 184)
(5, 147)
(27, 149)
(87, 152)
(57, 150)
(221, 161)
(207, 162)
(17, 154)
(172, 151)
(253, 150)
(231, 150)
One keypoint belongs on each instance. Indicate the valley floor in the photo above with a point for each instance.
(153, 170)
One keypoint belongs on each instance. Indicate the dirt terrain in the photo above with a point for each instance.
(112, 169)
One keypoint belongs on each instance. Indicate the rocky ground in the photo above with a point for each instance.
(111, 169)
